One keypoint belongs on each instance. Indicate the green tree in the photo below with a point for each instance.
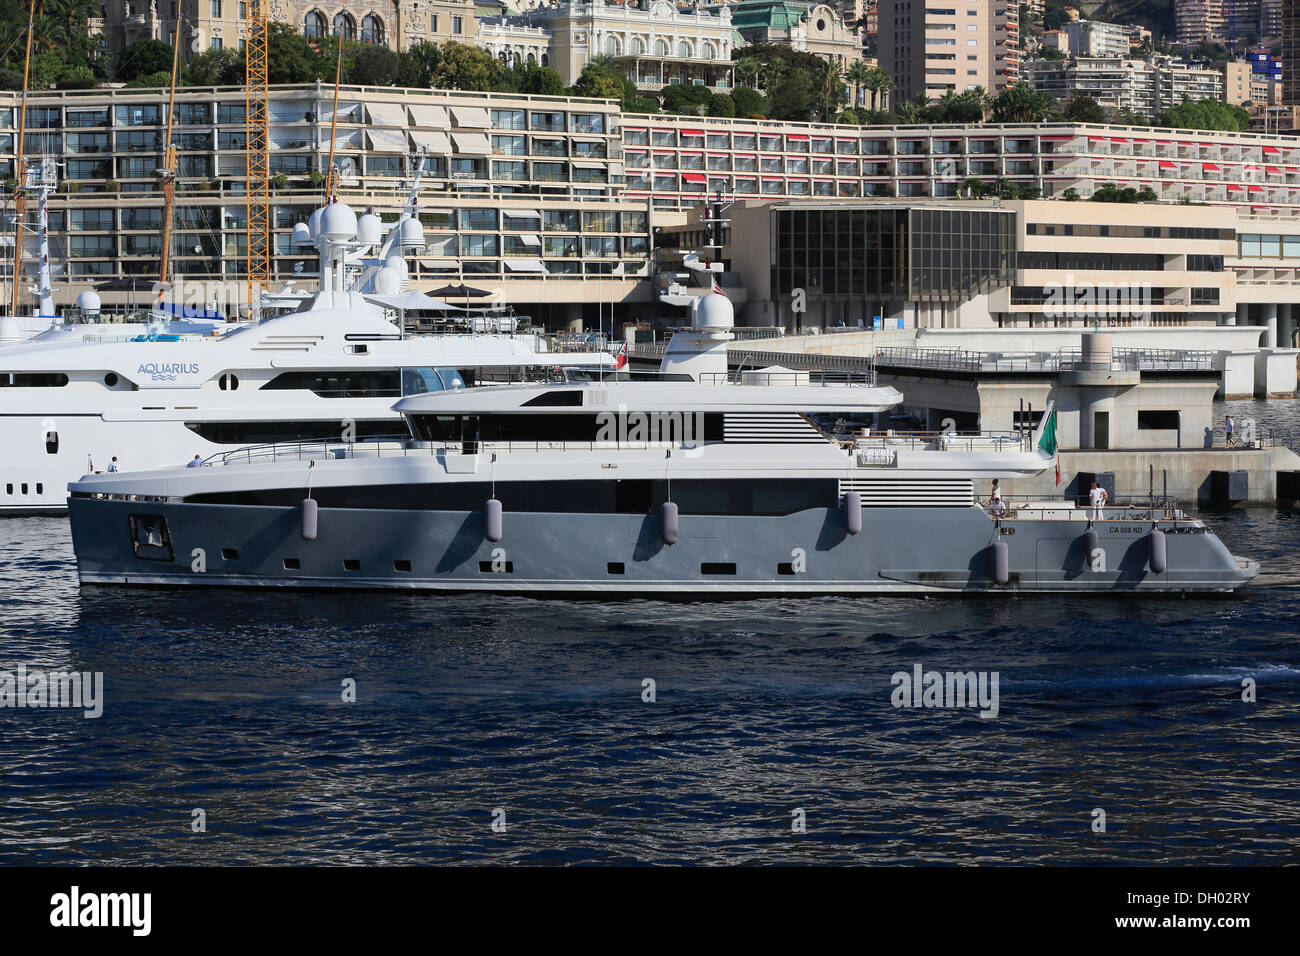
(1084, 109)
(1021, 103)
(222, 67)
(370, 64)
(748, 102)
(720, 104)
(161, 79)
(878, 84)
(292, 59)
(419, 65)
(601, 82)
(143, 58)
(685, 99)
(1206, 115)
(464, 67)
(858, 74)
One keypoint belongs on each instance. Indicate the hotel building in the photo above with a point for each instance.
(555, 201)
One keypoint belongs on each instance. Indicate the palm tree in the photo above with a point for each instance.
(747, 67)
(858, 74)
(879, 83)
(1021, 103)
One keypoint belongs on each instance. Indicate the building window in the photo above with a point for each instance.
(372, 30)
(345, 26)
(216, 43)
(457, 25)
(216, 9)
(314, 25)
(433, 23)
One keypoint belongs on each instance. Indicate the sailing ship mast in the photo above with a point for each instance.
(167, 174)
(20, 172)
(332, 178)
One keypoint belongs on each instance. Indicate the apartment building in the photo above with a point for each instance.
(931, 47)
(555, 200)
(1141, 86)
(1199, 21)
(1291, 54)
(525, 191)
(1094, 38)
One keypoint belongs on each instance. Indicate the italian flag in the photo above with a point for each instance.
(1047, 440)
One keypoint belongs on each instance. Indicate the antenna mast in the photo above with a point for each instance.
(19, 170)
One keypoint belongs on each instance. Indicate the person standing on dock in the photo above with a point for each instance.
(1227, 428)
(1097, 498)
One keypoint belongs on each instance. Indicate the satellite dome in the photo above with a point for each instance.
(313, 222)
(388, 281)
(302, 234)
(398, 265)
(411, 234)
(338, 223)
(9, 330)
(369, 229)
(714, 312)
(88, 302)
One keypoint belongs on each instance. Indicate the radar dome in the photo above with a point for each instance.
(388, 281)
(9, 330)
(338, 223)
(88, 302)
(411, 234)
(313, 222)
(302, 234)
(397, 264)
(369, 229)
(714, 312)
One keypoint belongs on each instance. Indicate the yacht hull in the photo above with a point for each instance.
(899, 550)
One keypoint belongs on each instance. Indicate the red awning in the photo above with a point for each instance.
(1209, 167)
(1119, 140)
(795, 136)
(692, 132)
(691, 152)
(1233, 188)
(1272, 150)
(1165, 164)
(774, 178)
(1057, 139)
(743, 176)
(1273, 170)
(1256, 189)
(693, 177)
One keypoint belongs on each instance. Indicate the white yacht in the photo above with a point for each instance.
(333, 368)
(695, 482)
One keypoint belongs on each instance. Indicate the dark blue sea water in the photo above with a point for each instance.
(231, 702)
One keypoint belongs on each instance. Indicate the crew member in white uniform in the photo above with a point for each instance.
(1097, 498)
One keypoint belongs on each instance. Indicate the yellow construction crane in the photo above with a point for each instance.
(256, 104)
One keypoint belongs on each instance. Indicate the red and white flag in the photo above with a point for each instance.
(621, 358)
(717, 287)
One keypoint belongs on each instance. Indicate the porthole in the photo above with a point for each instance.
(111, 379)
(228, 382)
(51, 442)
